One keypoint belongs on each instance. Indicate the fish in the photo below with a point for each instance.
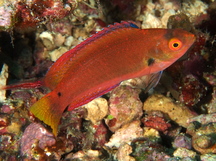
(101, 62)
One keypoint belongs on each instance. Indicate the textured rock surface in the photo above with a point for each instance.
(126, 134)
(124, 107)
(178, 113)
(35, 136)
(96, 110)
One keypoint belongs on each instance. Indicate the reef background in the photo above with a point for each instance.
(174, 121)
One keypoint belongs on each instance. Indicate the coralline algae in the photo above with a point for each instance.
(34, 140)
(124, 107)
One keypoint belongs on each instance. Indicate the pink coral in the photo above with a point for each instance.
(35, 135)
(125, 106)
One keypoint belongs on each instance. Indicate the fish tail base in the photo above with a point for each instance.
(47, 111)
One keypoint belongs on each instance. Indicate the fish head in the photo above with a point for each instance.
(170, 45)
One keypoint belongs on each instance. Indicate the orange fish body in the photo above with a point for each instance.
(119, 52)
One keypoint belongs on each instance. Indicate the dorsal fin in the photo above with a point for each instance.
(116, 25)
(106, 30)
(58, 69)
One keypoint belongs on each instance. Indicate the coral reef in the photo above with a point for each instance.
(174, 121)
(176, 112)
(184, 153)
(192, 91)
(156, 120)
(125, 134)
(124, 107)
(34, 140)
(211, 106)
(123, 153)
(97, 110)
(148, 149)
(182, 141)
(3, 80)
(207, 157)
(29, 13)
(203, 137)
(203, 118)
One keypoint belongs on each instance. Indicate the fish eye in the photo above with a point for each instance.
(175, 44)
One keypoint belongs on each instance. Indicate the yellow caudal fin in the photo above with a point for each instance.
(48, 111)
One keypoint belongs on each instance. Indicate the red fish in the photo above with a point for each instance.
(97, 65)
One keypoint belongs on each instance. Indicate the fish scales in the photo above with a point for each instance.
(92, 67)
(57, 70)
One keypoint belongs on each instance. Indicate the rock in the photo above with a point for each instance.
(59, 40)
(203, 137)
(208, 157)
(35, 137)
(156, 120)
(125, 134)
(48, 40)
(55, 54)
(204, 118)
(3, 80)
(179, 114)
(150, 132)
(183, 152)
(182, 141)
(124, 107)
(68, 41)
(123, 153)
(96, 110)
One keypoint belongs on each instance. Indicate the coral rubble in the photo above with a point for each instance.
(174, 121)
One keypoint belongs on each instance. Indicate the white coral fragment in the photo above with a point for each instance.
(126, 134)
(3, 80)
(97, 110)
